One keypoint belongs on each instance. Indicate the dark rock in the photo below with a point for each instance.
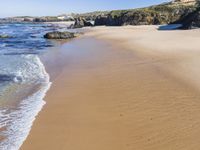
(59, 35)
(87, 24)
(192, 20)
(5, 36)
(33, 36)
(46, 19)
(9, 78)
(155, 15)
(81, 22)
(100, 20)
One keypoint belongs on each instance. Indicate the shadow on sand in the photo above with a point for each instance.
(170, 27)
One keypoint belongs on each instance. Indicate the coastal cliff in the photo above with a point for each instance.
(155, 15)
(191, 20)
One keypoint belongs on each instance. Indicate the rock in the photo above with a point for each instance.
(10, 78)
(154, 15)
(87, 24)
(59, 35)
(46, 19)
(100, 20)
(71, 26)
(192, 20)
(81, 22)
(5, 36)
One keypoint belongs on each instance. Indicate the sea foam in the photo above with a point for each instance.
(18, 120)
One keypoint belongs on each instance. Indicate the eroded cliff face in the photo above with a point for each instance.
(184, 12)
(154, 15)
(191, 20)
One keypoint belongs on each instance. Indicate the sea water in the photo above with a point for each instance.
(23, 80)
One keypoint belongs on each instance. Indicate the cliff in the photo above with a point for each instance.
(191, 20)
(160, 14)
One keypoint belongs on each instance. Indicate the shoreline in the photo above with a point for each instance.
(166, 48)
(114, 89)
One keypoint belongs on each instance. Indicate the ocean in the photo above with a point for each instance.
(23, 79)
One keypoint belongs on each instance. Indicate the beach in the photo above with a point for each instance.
(121, 88)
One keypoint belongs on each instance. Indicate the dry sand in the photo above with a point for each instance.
(122, 88)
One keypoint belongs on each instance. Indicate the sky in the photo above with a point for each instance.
(10, 8)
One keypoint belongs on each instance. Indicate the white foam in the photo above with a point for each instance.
(27, 68)
(18, 122)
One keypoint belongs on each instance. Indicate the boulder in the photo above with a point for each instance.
(59, 35)
(5, 36)
(81, 22)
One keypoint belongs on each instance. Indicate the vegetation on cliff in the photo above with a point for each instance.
(159, 14)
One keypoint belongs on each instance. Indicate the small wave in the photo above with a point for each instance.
(18, 121)
(20, 67)
(27, 67)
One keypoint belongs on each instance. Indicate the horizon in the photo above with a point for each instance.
(52, 8)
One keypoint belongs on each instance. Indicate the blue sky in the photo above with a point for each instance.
(55, 7)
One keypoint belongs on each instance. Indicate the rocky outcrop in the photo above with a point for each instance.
(10, 78)
(129, 18)
(160, 14)
(101, 20)
(51, 19)
(81, 22)
(91, 16)
(59, 35)
(46, 19)
(5, 36)
(191, 20)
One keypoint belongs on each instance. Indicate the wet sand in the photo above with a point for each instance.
(119, 89)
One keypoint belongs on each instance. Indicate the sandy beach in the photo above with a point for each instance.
(121, 88)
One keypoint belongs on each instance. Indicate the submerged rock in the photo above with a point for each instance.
(59, 35)
(10, 78)
(5, 36)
